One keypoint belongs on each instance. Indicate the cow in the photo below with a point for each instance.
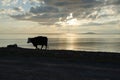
(40, 40)
(12, 46)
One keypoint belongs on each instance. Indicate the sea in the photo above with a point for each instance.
(102, 42)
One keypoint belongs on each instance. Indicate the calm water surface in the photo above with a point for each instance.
(84, 42)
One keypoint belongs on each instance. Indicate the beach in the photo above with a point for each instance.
(30, 64)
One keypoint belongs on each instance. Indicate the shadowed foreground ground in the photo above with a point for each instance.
(30, 64)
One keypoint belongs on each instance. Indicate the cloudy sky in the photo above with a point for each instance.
(52, 16)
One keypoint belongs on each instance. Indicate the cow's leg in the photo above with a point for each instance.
(45, 47)
(41, 47)
(36, 47)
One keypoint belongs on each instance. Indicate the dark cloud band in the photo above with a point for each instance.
(52, 10)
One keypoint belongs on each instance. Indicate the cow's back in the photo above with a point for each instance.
(40, 40)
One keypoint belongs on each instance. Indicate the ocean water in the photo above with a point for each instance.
(69, 41)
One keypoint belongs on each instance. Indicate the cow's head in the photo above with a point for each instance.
(29, 40)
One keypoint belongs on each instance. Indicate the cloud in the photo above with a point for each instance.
(43, 18)
(20, 9)
(10, 12)
(50, 12)
(5, 2)
(20, 17)
(72, 5)
(115, 2)
(9, 2)
(43, 9)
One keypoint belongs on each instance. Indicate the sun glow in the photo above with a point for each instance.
(72, 22)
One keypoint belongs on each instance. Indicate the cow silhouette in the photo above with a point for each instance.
(12, 46)
(40, 40)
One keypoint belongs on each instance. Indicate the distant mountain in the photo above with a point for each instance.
(90, 33)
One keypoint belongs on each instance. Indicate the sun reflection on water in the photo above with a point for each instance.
(70, 41)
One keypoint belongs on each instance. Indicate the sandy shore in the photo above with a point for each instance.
(30, 64)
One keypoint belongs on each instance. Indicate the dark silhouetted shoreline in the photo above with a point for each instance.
(30, 64)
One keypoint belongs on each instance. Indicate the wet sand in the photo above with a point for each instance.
(31, 64)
